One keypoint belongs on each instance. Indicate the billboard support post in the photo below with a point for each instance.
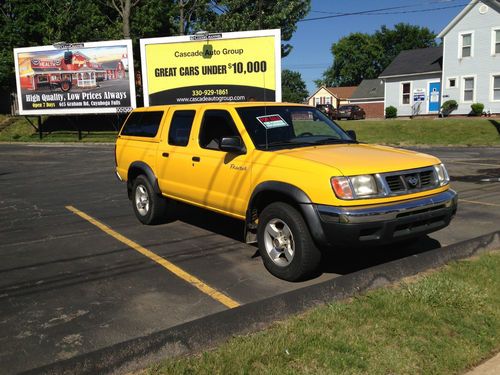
(39, 120)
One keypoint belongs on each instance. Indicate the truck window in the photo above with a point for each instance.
(180, 128)
(142, 124)
(216, 125)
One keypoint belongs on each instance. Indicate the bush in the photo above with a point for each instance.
(477, 109)
(448, 107)
(391, 112)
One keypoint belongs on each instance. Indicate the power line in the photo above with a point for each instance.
(391, 8)
(377, 12)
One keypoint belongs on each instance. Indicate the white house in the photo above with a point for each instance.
(466, 68)
(471, 57)
(413, 82)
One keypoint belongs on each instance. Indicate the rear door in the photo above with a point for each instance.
(174, 164)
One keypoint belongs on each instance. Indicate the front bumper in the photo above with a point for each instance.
(387, 223)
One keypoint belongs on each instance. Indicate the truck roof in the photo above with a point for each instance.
(219, 105)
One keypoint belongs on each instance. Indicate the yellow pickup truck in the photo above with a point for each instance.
(301, 183)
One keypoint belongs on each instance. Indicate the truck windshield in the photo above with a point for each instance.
(277, 127)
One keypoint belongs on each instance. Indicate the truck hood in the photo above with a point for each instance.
(356, 159)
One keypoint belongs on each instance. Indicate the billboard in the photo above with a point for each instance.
(237, 66)
(83, 78)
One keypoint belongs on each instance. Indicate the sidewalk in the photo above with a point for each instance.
(490, 367)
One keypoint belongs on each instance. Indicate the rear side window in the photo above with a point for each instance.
(180, 128)
(143, 124)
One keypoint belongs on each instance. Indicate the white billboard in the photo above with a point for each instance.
(82, 78)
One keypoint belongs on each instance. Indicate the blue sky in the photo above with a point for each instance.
(312, 41)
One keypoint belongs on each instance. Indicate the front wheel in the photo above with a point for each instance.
(285, 243)
(149, 207)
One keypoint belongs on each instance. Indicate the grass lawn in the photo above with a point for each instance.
(443, 322)
(22, 131)
(460, 131)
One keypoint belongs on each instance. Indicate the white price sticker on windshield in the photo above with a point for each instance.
(272, 121)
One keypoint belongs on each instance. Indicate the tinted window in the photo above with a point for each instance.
(180, 128)
(216, 125)
(142, 124)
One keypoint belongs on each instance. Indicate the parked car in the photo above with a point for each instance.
(301, 185)
(350, 112)
(328, 110)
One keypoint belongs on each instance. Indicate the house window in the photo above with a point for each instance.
(452, 83)
(466, 45)
(497, 41)
(406, 93)
(469, 89)
(496, 88)
(317, 100)
(328, 100)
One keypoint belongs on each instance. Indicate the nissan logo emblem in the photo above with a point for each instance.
(413, 181)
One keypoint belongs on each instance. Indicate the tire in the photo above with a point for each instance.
(285, 243)
(149, 207)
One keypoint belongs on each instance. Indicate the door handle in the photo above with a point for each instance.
(165, 154)
(195, 158)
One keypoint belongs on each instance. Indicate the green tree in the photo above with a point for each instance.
(359, 56)
(36, 23)
(403, 37)
(293, 87)
(240, 15)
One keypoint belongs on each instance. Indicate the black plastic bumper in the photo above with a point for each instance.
(379, 224)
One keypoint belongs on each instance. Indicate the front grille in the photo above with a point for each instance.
(427, 178)
(410, 181)
(395, 183)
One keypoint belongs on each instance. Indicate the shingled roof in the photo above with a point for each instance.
(415, 61)
(342, 92)
(369, 89)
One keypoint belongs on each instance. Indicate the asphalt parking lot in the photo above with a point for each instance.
(80, 273)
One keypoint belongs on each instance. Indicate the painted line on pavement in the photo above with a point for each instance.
(179, 272)
(482, 203)
(451, 161)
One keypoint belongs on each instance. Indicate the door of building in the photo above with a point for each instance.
(434, 96)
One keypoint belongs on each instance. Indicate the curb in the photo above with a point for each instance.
(211, 330)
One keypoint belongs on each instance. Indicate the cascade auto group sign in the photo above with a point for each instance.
(239, 66)
(82, 78)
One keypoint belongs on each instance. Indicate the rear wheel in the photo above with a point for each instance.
(285, 243)
(149, 207)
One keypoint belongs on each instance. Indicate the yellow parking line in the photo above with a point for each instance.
(483, 203)
(215, 294)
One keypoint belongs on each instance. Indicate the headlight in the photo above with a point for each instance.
(364, 185)
(442, 174)
(353, 187)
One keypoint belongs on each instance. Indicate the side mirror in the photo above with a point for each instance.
(233, 144)
(352, 134)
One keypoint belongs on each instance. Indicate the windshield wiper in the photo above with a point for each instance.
(293, 143)
(332, 140)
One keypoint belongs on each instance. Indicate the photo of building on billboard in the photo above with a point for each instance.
(81, 78)
(234, 66)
